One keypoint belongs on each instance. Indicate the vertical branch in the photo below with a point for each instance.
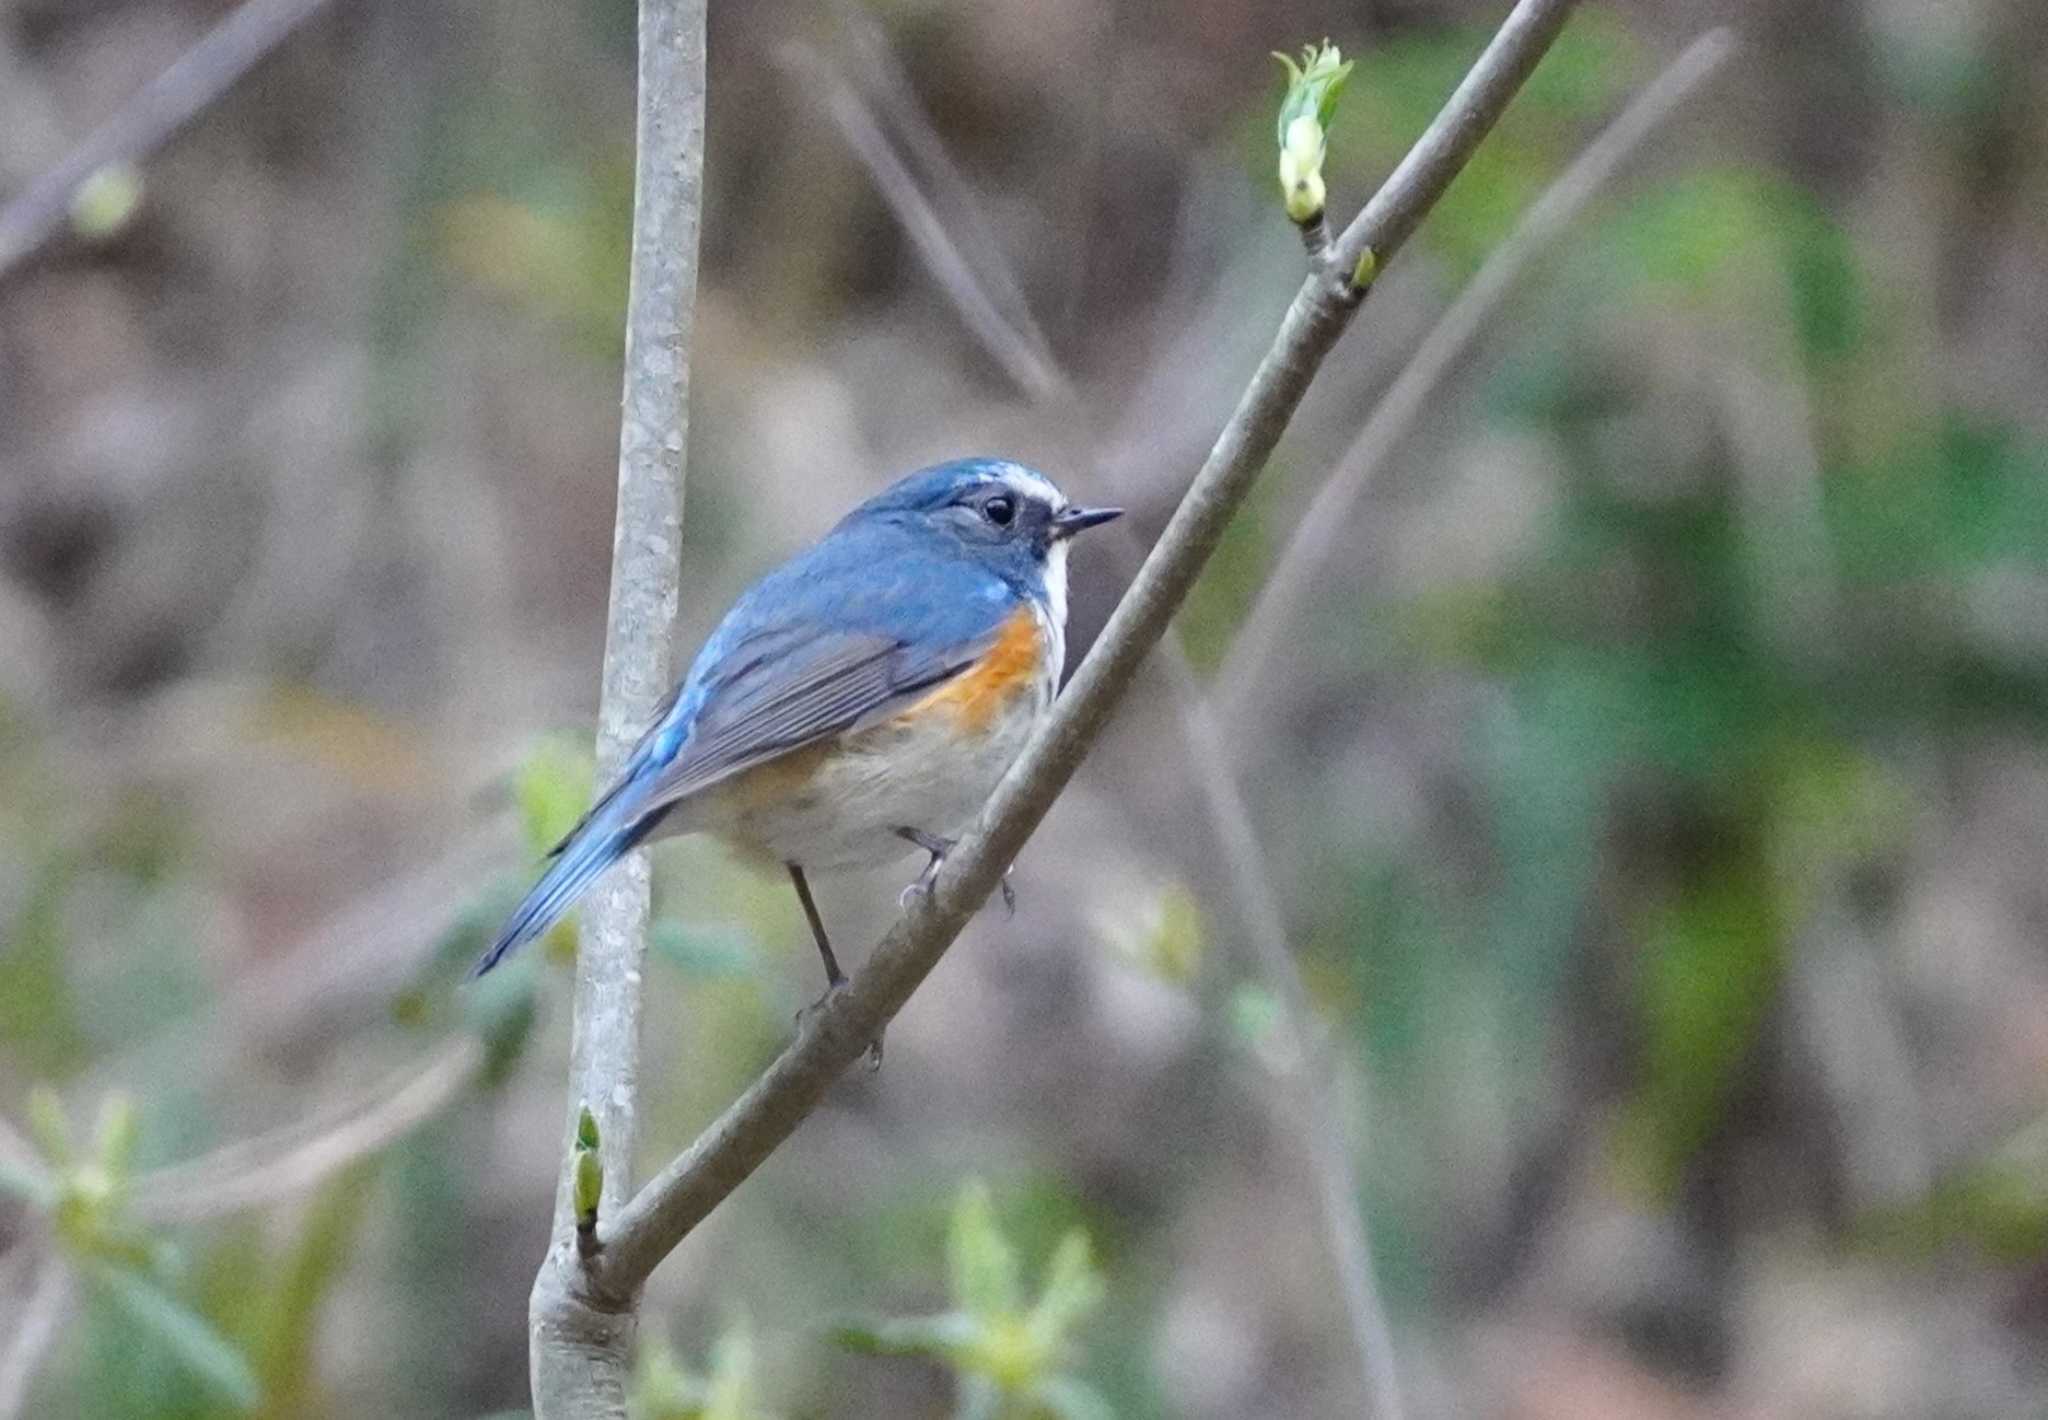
(580, 1341)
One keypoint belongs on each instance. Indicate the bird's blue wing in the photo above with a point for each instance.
(799, 685)
(808, 653)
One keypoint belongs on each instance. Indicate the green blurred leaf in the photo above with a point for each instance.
(184, 1333)
(945, 1337)
(1829, 807)
(115, 1133)
(1073, 1290)
(1254, 1016)
(702, 952)
(1067, 1398)
(662, 1389)
(1398, 86)
(1709, 970)
(1160, 932)
(982, 1265)
(501, 1009)
(1719, 234)
(318, 1260)
(39, 1017)
(554, 789)
(733, 1391)
(991, 1340)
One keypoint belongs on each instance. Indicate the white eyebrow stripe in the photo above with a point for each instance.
(1030, 485)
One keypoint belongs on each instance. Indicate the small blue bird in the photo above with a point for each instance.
(859, 701)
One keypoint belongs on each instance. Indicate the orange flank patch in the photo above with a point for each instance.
(987, 687)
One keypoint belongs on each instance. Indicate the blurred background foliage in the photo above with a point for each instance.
(1653, 791)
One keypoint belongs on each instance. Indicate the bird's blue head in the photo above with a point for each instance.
(1000, 514)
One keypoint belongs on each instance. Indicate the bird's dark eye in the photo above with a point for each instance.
(999, 510)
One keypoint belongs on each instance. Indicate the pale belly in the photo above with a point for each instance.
(839, 806)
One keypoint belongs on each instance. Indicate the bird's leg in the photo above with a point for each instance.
(835, 979)
(939, 848)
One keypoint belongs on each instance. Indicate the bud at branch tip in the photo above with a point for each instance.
(1304, 120)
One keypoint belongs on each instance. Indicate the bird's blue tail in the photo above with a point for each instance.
(608, 832)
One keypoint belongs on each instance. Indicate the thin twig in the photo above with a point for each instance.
(1322, 1124)
(886, 77)
(580, 1350)
(1015, 344)
(1321, 529)
(29, 1341)
(142, 125)
(682, 1194)
(292, 1160)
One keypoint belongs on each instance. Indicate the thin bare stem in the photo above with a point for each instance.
(886, 78)
(22, 1351)
(662, 1213)
(581, 1337)
(1320, 532)
(298, 1158)
(1013, 341)
(139, 127)
(1313, 1080)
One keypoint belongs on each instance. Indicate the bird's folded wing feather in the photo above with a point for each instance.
(799, 686)
(780, 690)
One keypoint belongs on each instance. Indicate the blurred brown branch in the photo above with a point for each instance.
(1321, 529)
(143, 124)
(662, 1214)
(299, 1157)
(581, 1333)
(980, 285)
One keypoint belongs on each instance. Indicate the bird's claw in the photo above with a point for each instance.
(921, 885)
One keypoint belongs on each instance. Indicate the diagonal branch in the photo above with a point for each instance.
(146, 122)
(297, 1158)
(657, 1218)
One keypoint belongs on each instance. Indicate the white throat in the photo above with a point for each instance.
(1056, 605)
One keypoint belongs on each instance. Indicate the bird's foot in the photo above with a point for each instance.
(921, 886)
(811, 1015)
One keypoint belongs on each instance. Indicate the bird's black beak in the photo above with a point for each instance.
(1068, 521)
